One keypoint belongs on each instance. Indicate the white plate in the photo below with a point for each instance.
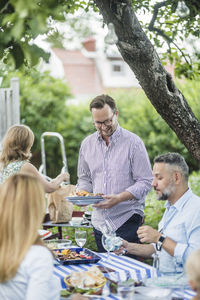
(164, 281)
(76, 220)
(54, 243)
(152, 293)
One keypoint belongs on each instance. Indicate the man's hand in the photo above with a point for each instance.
(123, 249)
(110, 201)
(147, 234)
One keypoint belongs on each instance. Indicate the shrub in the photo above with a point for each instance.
(194, 182)
(154, 210)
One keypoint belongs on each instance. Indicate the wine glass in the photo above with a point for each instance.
(80, 237)
(107, 242)
(156, 265)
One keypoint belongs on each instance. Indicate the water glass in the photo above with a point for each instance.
(125, 290)
(106, 242)
(80, 237)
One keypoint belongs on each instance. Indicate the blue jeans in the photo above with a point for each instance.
(128, 232)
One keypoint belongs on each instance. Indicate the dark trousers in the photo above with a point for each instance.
(128, 232)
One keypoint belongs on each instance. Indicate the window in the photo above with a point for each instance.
(117, 68)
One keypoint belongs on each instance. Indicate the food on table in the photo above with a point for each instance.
(68, 254)
(87, 279)
(83, 193)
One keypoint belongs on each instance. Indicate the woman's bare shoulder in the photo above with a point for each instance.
(28, 167)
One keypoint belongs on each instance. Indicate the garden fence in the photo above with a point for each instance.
(9, 107)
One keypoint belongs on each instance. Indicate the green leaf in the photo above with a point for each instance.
(18, 55)
(33, 53)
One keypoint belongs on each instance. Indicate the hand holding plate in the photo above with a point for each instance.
(110, 201)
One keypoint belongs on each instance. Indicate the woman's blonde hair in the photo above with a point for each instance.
(17, 143)
(22, 209)
(192, 268)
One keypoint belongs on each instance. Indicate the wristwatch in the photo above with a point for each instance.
(160, 242)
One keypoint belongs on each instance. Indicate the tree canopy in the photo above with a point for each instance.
(22, 21)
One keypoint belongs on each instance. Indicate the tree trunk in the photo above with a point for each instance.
(137, 50)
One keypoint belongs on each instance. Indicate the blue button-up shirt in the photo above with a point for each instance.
(121, 166)
(181, 223)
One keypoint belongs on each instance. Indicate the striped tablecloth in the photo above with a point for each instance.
(122, 265)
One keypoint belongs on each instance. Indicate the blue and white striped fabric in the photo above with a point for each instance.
(124, 267)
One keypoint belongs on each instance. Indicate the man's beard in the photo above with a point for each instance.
(108, 132)
(167, 191)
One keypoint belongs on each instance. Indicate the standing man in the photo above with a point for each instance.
(114, 161)
(178, 232)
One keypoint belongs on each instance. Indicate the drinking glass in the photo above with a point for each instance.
(80, 237)
(125, 290)
(107, 242)
(156, 265)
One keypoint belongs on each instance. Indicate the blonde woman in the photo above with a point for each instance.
(193, 272)
(15, 157)
(26, 264)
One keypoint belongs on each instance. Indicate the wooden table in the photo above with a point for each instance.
(121, 264)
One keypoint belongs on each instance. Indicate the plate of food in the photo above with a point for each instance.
(91, 281)
(75, 256)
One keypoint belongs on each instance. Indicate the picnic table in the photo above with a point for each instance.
(121, 264)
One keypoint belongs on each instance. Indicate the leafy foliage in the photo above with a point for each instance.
(194, 182)
(154, 210)
(22, 21)
(171, 32)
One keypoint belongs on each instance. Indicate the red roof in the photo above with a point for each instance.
(72, 57)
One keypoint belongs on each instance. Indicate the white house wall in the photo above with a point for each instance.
(110, 80)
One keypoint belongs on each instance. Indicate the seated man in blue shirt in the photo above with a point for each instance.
(179, 229)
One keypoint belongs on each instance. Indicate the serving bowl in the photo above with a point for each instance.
(76, 221)
(93, 290)
(56, 243)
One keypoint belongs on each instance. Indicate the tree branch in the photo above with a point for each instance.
(4, 8)
(160, 32)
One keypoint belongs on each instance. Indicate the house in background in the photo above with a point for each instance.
(90, 71)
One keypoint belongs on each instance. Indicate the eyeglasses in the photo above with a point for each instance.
(105, 123)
